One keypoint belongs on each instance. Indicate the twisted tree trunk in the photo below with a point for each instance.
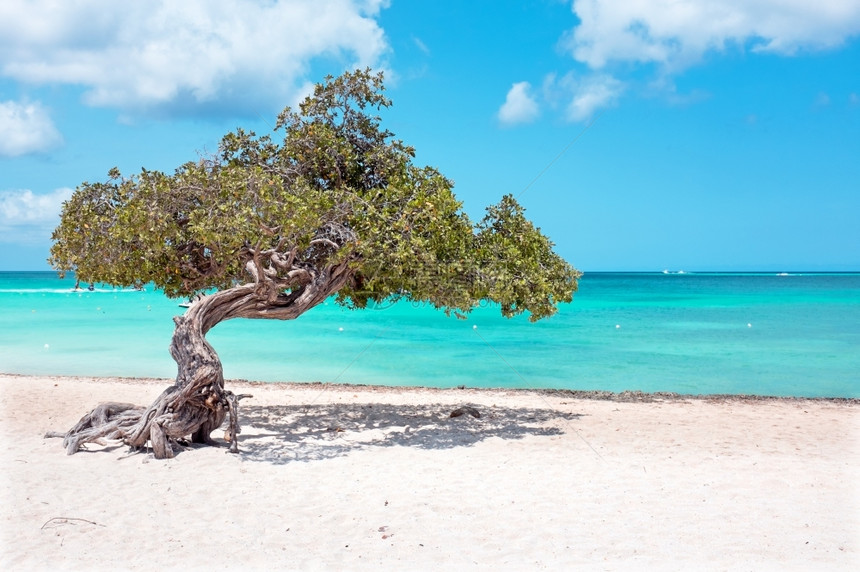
(197, 403)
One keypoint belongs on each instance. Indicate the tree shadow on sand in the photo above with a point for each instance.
(288, 433)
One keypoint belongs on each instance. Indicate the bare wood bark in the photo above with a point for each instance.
(197, 403)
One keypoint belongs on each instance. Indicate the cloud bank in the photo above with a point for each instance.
(677, 34)
(615, 39)
(26, 217)
(178, 57)
(26, 128)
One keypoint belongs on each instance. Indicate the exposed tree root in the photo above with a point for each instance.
(108, 421)
(138, 427)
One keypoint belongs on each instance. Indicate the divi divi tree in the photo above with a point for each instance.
(268, 227)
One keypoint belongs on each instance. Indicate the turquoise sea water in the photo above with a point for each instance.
(764, 334)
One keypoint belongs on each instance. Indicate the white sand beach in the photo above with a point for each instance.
(374, 478)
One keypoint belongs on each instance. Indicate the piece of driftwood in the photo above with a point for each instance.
(66, 519)
(233, 429)
(466, 409)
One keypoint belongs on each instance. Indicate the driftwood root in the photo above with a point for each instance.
(466, 410)
(162, 426)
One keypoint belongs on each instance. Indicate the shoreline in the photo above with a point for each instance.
(369, 477)
(626, 396)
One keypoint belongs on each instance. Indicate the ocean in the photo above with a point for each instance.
(795, 334)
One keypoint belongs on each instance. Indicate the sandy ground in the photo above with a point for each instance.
(361, 478)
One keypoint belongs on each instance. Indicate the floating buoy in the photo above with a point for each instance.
(47, 346)
(749, 325)
(617, 326)
(475, 327)
(340, 329)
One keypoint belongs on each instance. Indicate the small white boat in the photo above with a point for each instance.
(191, 300)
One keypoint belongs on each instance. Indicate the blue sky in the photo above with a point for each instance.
(639, 135)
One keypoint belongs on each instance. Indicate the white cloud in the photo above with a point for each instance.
(25, 207)
(176, 57)
(26, 217)
(614, 37)
(583, 96)
(421, 45)
(592, 94)
(519, 106)
(26, 128)
(676, 34)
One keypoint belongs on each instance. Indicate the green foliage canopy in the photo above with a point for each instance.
(335, 190)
